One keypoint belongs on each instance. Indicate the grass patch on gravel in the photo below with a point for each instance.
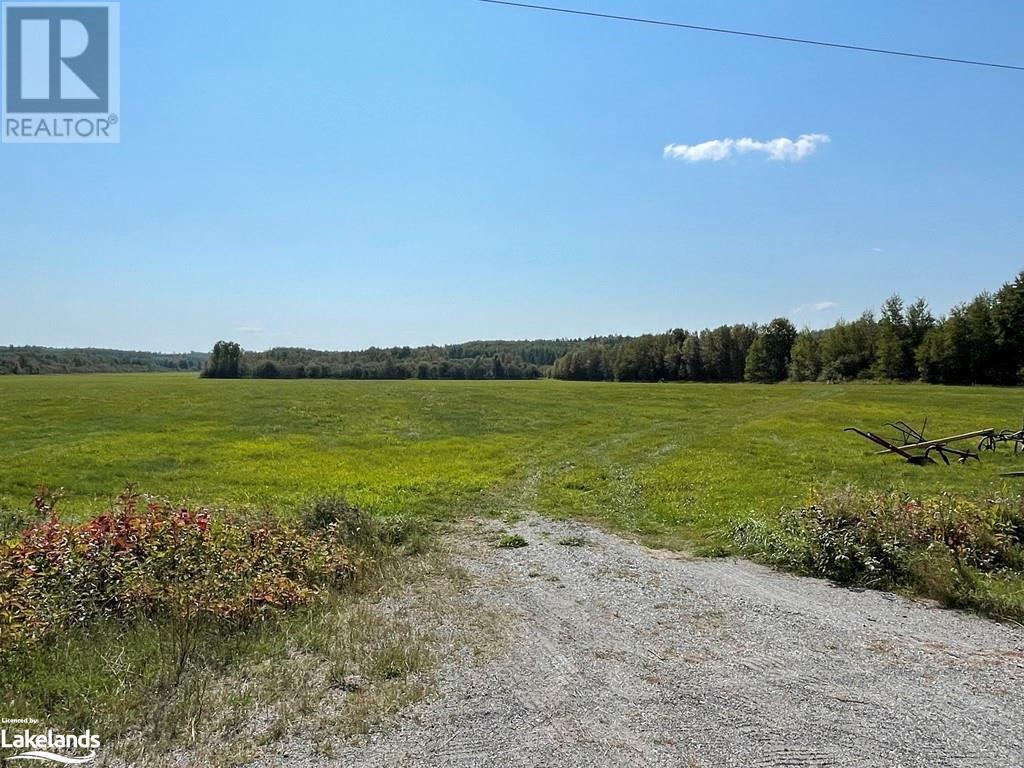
(572, 541)
(511, 541)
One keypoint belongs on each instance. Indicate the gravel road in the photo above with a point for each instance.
(611, 654)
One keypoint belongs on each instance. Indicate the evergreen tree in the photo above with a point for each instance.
(225, 362)
(805, 362)
(893, 352)
(919, 321)
(934, 356)
(1008, 318)
(741, 337)
(779, 338)
(758, 368)
(692, 368)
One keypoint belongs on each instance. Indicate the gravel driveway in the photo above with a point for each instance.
(611, 654)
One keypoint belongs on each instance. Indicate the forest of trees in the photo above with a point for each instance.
(30, 360)
(978, 342)
(471, 360)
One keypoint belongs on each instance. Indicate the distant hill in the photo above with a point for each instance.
(31, 360)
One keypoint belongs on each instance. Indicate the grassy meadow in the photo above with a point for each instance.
(674, 463)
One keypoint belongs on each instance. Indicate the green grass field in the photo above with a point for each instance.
(673, 462)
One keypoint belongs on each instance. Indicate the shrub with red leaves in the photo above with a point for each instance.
(153, 559)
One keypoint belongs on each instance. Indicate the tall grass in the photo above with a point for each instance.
(964, 552)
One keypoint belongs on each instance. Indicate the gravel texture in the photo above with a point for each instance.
(611, 654)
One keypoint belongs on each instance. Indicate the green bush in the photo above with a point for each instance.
(961, 551)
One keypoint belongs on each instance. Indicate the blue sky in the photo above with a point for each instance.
(341, 174)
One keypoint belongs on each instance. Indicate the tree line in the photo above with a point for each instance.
(470, 360)
(35, 360)
(977, 342)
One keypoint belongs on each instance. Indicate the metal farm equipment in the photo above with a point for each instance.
(1004, 436)
(914, 447)
(916, 450)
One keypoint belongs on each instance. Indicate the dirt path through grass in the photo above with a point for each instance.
(611, 654)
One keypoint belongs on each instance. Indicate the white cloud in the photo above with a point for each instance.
(782, 149)
(817, 306)
(250, 329)
(715, 150)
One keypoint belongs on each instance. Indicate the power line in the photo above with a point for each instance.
(759, 35)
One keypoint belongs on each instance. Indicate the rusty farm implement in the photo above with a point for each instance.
(912, 445)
